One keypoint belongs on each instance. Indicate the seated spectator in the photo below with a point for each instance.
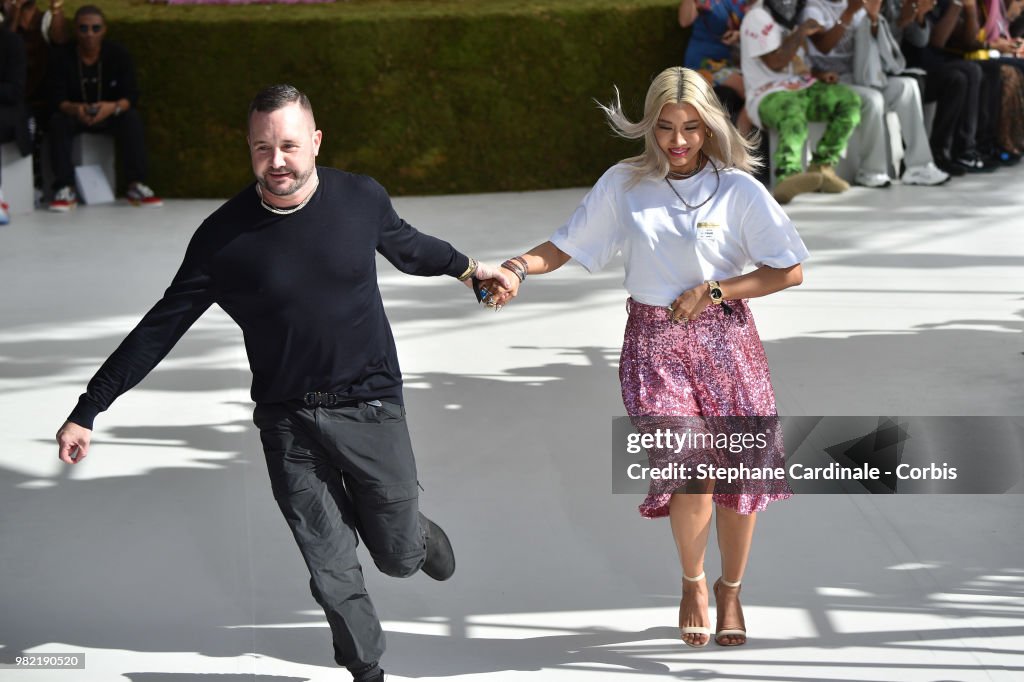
(94, 90)
(713, 49)
(13, 111)
(1007, 51)
(782, 93)
(832, 49)
(40, 31)
(952, 83)
(957, 31)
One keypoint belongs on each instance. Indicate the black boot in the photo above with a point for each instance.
(440, 561)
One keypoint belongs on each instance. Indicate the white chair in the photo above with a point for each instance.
(90, 149)
(19, 192)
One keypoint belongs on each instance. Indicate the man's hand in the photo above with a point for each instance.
(73, 443)
(491, 278)
(81, 112)
(854, 6)
(486, 271)
(105, 112)
(874, 8)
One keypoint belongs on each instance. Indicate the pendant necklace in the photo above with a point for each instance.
(718, 183)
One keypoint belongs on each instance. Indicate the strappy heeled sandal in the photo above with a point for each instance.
(693, 629)
(728, 632)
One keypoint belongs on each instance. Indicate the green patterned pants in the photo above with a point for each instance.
(788, 111)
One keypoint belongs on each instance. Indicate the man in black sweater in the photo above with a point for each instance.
(292, 260)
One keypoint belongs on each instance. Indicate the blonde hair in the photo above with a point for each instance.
(726, 147)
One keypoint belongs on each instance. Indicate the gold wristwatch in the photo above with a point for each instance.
(715, 291)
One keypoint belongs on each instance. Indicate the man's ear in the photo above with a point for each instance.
(318, 137)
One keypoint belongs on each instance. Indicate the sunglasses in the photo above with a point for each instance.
(84, 28)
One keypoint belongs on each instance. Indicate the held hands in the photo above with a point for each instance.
(73, 442)
(495, 292)
(488, 277)
(95, 113)
(106, 110)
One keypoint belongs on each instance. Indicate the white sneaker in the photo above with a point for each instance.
(141, 195)
(927, 174)
(64, 200)
(866, 179)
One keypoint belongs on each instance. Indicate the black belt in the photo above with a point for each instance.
(318, 399)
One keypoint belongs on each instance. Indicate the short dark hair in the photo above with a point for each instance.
(89, 9)
(274, 97)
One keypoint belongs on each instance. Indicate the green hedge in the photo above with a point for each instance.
(428, 97)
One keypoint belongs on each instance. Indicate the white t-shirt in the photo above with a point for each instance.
(760, 34)
(827, 13)
(669, 248)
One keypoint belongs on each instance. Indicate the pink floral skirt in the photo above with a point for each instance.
(713, 368)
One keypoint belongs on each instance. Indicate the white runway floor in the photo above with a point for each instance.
(163, 557)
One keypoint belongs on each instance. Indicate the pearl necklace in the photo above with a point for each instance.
(285, 211)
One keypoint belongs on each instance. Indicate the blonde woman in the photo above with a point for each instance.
(688, 218)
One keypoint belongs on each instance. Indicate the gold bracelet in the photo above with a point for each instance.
(470, 270)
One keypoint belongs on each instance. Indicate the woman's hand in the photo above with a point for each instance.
(498, 294)
(690, 304)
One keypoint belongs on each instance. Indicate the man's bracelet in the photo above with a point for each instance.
(470, 269)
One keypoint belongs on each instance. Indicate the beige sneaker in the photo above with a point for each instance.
(830, 182)
(797, 183)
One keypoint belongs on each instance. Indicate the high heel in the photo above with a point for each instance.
(693, 629)
(728, 632)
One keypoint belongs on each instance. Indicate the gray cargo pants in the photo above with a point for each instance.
(335, 472)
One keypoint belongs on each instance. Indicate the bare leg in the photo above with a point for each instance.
(735, 535)
(690, 515)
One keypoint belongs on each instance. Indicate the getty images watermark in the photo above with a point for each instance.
(746, 455)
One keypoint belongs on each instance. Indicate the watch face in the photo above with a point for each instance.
(716, 293)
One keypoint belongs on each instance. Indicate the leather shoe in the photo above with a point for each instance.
(440, 561)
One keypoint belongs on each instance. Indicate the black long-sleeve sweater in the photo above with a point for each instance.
(302, 287)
